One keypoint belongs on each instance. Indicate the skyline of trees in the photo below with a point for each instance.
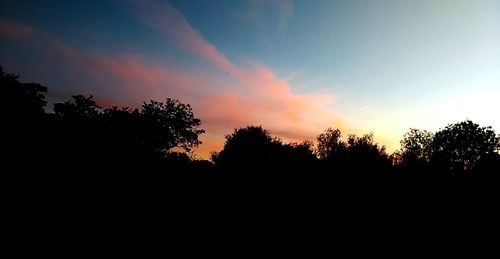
(80, 131)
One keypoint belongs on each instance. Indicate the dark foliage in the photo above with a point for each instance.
(254, 150)
(82, 144)
(330, 144)
(459, 146)
(26, 101)
(416, 147)
(170, 124)
(356, 155)
(463, 148)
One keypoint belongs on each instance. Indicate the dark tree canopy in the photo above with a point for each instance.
(360, 154)
(254, 146)
(245, 146)
(122, 128)
(416, 147)
(83, 143)
(330, 144)
(123, 132)
(301, 153)
(24, 100)
(81, 108)
(170, 124)
(364, 147)
(459, 146)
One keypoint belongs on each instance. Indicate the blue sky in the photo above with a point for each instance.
(381, 66)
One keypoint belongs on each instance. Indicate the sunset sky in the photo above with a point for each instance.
(294, 67)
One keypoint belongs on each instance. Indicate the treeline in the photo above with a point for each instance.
(81, 143)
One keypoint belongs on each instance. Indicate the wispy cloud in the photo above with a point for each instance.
(125, 78)
(247, 95)
(164, 18)
(16, 31)
(45, 42)
(258, 95)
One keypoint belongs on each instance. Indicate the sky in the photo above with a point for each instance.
(294, 67)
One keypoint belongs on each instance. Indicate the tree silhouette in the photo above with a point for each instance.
(299, 154)
(247, 146)
(158, 126)
(254, 146)
(488, 166)
(80, 136)
(121, 128)
(24, 128)
(330, 144)
(26, 101)
(81, 108)
(416, 147)
(170, 124)
(359, 154)
(364, 153)
(88, 136)
(459, 146)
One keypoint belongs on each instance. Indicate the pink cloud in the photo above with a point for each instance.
(126, 77)
(164, 18)
(141, 81)
(42, 41)
(106, 102)
(15, 31)
(251, 95)
(270, 103)
(259, 97)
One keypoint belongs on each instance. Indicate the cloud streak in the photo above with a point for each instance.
(258, 96)
(250, 95)
(163, 17)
